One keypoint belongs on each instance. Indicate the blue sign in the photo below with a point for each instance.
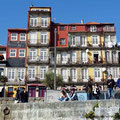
(82, 96)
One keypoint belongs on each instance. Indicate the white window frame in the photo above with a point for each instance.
(74, 74)
(64, 73)
(73, 40)
(11, 74)
(43, 70)
(83, 40)
(33, 37)
(22, 36)
(62, 41)
(44, 21)
(14, 37)
(11, 52)
(22, 53)
(64, 57)
(31, 72)
(73, 27)
(95, 40)
(84, 74)
(21, 74)
(44, 38)
(97, 74)
(33, 54)
(84, 57)
(43, 54)
(93, 28)
(34, 21)
(73, 57)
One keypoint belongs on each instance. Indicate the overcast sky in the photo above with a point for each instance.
(13, 13)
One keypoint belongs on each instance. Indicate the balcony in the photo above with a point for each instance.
(39, 26)
(35, 78)
(38, 44)
(111, 29)
(38, 60)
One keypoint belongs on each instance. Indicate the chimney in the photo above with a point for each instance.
(82, 21)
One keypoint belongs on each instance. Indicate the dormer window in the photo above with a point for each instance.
(73, 27)
(93, 29)
(62, 28)
(107, 27)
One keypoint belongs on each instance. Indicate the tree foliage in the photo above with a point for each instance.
(49, 80)
(3, 79)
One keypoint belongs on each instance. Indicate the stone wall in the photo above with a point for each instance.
(59, 110)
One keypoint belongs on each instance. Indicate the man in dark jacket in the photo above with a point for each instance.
(110, 85)
(118, 82)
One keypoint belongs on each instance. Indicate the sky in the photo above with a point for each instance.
(13, 13)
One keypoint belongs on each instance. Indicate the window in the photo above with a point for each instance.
(73, 57)
(62, 41)
(33, 37)
(14, 36)
(74, 75)
(83, 40)
(114, 57)
(44, 38)
(107, 27)
(114, 72)
(64, 57)
(107, 57)
(21, 53)
(112, 38)
(21, 73)
(95, 40)
(97, 74)
(64, 73)
(84, 57)
(12, 52)
(10, 89)
(11, 74)
(93, 29)
(44, 22)
(73, 27)
(43, 70)
(106, 40)
(73, 41)
(22, 36)
(62, 28)
(33, 21)
(33, 54)
(32, 72)
(85, 75)
(43, 55)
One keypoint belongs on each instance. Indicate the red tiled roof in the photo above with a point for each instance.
(17, 29)
(1, 46)
(93, 23)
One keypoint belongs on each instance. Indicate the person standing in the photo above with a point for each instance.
(110, 85)
(22, 95)
(118, 82)
(96, 91)
(89, 90)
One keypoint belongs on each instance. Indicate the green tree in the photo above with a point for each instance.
(49, 80)
(3, 79)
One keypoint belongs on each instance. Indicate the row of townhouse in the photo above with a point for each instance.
(84, 52)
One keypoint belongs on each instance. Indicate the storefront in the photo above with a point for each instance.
(36, 90)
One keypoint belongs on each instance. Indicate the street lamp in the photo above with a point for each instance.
(55, 33)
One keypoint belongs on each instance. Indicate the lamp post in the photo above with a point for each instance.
(55, 35)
